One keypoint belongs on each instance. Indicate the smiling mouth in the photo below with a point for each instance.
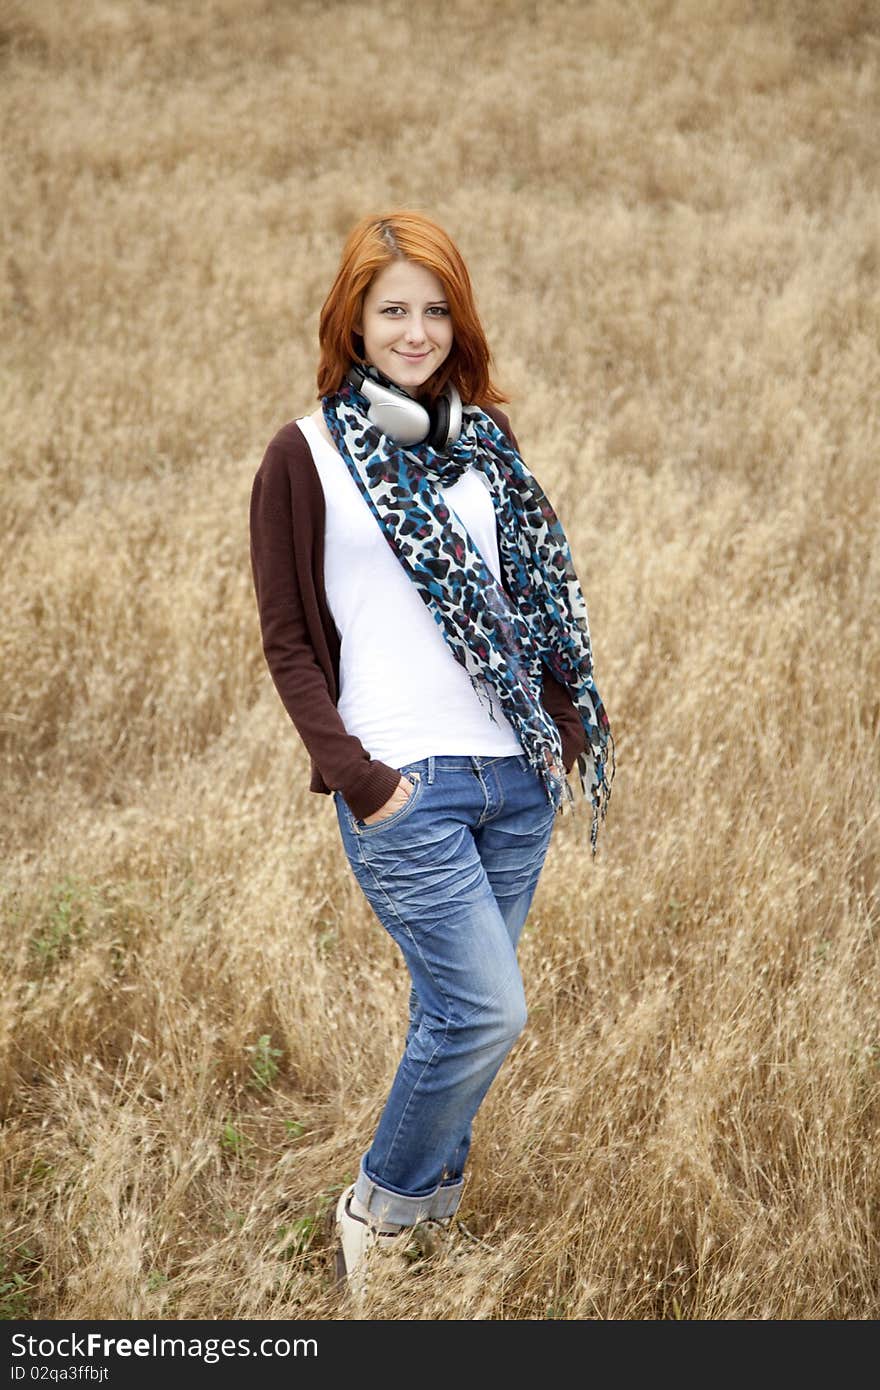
(412, 356)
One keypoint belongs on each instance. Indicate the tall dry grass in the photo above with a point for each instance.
(670, 213)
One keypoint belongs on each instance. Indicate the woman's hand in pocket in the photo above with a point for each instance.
(398, 799)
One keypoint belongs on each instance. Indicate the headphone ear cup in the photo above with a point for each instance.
(455, 416)
(445, 420)
(391, 409)
(438, 436)
(407, 422)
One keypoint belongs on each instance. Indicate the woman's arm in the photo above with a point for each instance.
(288, 617)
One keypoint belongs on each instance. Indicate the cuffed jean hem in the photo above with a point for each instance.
(385, 1205)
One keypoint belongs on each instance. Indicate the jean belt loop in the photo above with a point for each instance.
(430, 768)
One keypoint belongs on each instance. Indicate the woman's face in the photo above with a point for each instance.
(406, 327)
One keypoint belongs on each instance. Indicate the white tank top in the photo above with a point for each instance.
(401, 690)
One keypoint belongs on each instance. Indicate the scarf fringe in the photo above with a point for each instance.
(596, 768)
(599, 765)
(479, 687)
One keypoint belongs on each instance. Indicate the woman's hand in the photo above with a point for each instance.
(398, 798)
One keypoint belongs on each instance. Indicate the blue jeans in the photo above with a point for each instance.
(451, 877)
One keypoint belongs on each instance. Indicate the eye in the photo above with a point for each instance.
(392, 310)
(439, 311)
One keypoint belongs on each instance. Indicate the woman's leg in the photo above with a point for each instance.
(512, 854)
(423, 873)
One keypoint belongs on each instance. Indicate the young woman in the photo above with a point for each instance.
(426, 631)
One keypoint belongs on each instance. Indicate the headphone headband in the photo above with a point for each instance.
(403, 419)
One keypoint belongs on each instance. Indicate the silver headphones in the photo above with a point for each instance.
(403, 419)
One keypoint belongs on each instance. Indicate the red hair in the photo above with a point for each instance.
(373, 244)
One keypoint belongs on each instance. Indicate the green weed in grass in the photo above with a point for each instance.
(264, 1067)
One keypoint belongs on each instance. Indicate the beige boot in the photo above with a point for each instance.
(359, 1242)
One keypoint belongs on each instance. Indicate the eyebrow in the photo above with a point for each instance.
(404, 302)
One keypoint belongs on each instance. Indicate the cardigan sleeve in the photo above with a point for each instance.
(277, 547)
(554, 696)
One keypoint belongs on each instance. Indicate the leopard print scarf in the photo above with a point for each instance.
(504, 637)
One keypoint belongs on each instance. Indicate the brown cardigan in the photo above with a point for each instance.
(300, 641)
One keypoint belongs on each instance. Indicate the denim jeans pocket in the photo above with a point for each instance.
(362, 828)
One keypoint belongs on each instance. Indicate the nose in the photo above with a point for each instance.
(415, 329)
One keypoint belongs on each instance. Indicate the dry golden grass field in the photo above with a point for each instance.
(670, 212)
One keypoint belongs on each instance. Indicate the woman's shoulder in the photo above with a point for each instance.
(501, 421)
(288, 441)
(287, 477)
(288, 450)
(498, 416)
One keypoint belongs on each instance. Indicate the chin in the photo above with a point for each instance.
(410, 375)
(413, 382)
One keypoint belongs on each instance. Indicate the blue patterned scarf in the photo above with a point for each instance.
(504, 640)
